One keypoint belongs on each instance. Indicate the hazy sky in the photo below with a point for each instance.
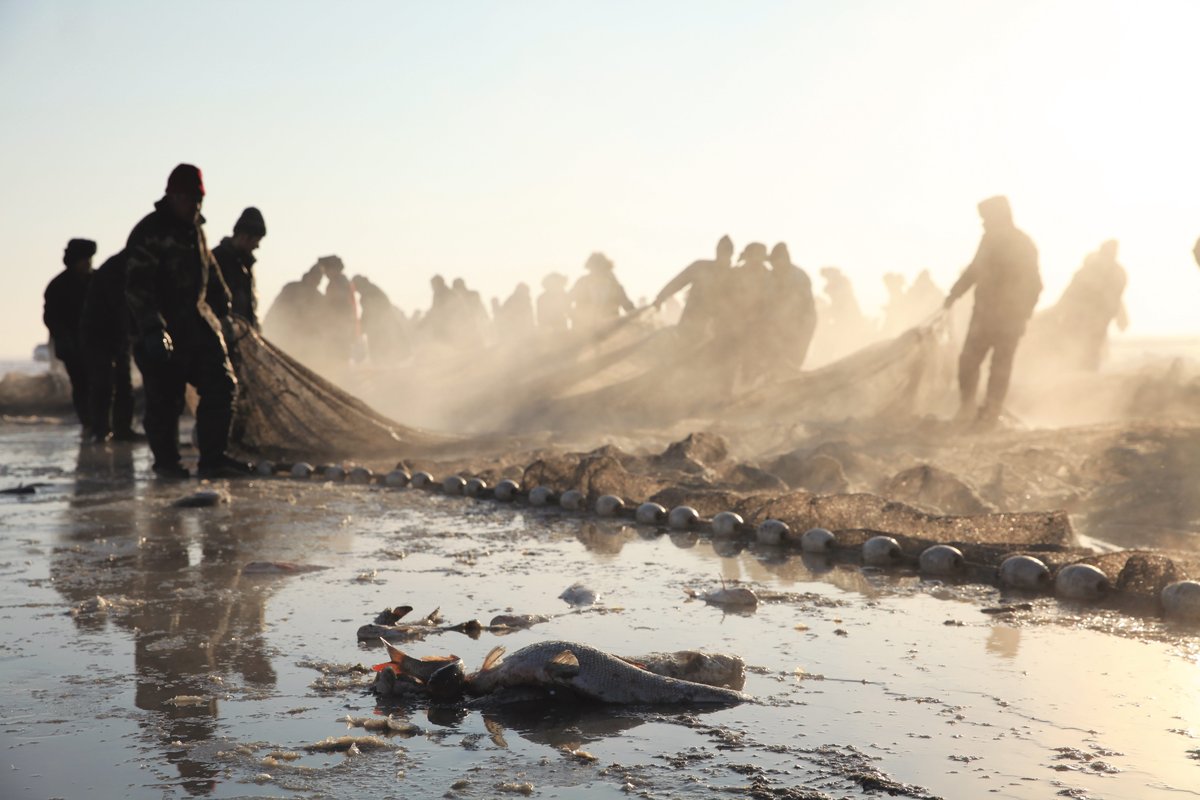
(499, 141)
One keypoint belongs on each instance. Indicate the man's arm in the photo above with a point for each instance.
(217, 293)
(969, 275)
(677, 283)
(144, 255)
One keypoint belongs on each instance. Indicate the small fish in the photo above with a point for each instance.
(518, 620)
(390, 616)
(579, 595)
(279, 568)
(741, 598)
(408, 630)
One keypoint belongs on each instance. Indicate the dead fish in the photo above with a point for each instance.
(590, 674)
(471, 627)
(711, 669)
(279, 568)
(340, 744)
(390, 616)
(741, 598)
(23, 488)
(408, 630)
(420, 668)
(102, 605)
(518, 620)
(205, 498)
(388, 724)
(578, 595)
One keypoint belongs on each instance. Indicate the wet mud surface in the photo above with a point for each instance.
(195, 676)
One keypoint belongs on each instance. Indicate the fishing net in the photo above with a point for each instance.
(285, 409)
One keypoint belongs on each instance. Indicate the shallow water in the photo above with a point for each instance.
(198, 673)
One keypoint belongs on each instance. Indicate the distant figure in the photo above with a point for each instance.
(63, 307)
(1090, 303)
(794, 310)
(340, 321)
(291, 322)
(1196, 252)
(704, 280)
(907, 308)
(1004, 274)
(598, 297)
(235, 254)
(514, 317)
(106, 347)
(177, 298)
(471, 315)
(438, 324)
(554, 305)
(382, 323)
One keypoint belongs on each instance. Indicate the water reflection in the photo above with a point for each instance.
(605, 539)
(1004, 641)
(195, 622)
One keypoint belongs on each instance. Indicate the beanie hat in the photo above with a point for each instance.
(78, 249)
(186, 179)
(251, 222)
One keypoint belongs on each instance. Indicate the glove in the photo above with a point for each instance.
(157, 346)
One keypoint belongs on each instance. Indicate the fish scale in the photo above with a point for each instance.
(602, 677)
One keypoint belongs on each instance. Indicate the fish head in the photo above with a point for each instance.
(448, 682)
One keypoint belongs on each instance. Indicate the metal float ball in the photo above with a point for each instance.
(650, 513)
(1081, 582)
(396, 478)
(506, 490)
(421, 480)
(772, 531)
(682, 517)
(726, 523)
(454, 484)
(816, 540)
(941, 559)
(302, 470)
(540, 496)
(360, 475)
(881, 551)
(474, 487)
(334, 473)
(572, 500)
(265, 469)
(1024, 572)
(1181, 600)
(609, 505)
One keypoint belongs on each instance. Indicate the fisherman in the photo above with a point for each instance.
(795, 310)
(106, 347)
(64, 298)
(235, 254)
(554, 305)
(705, 278)
(1090, 303)
(514, 317)
(598, 297)
(291, 320)
(472, 324)
(177, 300)
(438, 324)
(341, 312)
(382, 322)
(1004, 274)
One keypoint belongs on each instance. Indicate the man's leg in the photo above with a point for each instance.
(164, 387)
(100, 390)
(77, 371)
(969, 361)
(999, 375)
(212, 375)
(122, 403)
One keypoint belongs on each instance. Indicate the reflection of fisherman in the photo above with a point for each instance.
(176, 294)
(382, 322)
(705, 279)
(105, 328)
(1091, 302)
(598, 297)
(1004, 274)
(554, 305)
(793, 309)
(64, 304)
(235, 254)
(291, 320)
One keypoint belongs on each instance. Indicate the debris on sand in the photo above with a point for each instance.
(205, 498)
(351, 744)
(103, 605)
(386, 725)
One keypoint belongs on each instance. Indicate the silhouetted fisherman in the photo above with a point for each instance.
(1005, 276)
(554, 305)
(846, 318)
(340, 320)
(793, 309)
(106, 345)
(705, 280)
(909, 307)
(176, 299)
(63, 307)
(235, 254)
(1090, 303)
(438, 323)
(598, 297)
(382, 322)
(291, 320)
(472, 323)
(514, 317)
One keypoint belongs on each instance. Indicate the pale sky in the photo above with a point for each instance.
(498, 141)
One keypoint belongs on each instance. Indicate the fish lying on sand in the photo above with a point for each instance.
(587, 673)
(711, 669)
(579, 595)
(397, 630)
(518, 621)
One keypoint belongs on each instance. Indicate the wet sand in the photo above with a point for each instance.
(199, 680)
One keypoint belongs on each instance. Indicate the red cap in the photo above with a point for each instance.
(186, 179)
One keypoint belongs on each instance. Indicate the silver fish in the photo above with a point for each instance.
(711, 669)
(740, 598)
(591, 674)
(517, 620)
(578, 595)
